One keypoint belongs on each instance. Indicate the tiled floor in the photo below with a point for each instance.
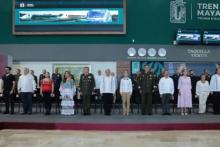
(38, 138)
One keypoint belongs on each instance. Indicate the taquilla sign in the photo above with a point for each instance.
(199, 53)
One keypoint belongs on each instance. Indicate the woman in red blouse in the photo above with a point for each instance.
(46, 91)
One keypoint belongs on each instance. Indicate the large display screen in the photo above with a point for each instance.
(32, 17)
(188, 37)
(211, 37)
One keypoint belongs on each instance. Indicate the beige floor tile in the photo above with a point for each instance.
(38, 138)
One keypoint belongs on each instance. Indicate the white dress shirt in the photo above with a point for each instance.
(202, 87)
(166, 85)
(215, 83)
(26, 83)
(126, 85)
(98, 80)
(107, 85)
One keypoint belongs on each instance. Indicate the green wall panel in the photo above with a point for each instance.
(148, 22)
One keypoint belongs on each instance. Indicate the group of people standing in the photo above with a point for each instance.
(63, 90)
(182, 86)
(25, 86)
(188, 86)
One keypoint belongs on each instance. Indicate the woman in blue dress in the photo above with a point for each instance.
(67, 91)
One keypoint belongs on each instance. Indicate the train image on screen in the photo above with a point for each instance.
(212, 37)
(189, 37)
(29, 17)
(90, 16)
(49, 17)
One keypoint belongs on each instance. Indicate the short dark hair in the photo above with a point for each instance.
(8, 67)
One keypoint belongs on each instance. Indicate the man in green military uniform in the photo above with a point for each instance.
(87, 85)
(146, 85)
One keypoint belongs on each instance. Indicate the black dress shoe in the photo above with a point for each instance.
(168, 114)
(6, 112)
(12, 113)
(164, 114)
(149, 113)
(23, 113)
(29, 113)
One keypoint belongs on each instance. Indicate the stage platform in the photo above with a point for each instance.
(111, 123)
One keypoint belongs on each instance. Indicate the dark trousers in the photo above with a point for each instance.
(9, 100)
(86, 103)
(47, 101)
(216, 102)
(107, 100)
(57, 98)
(27, 101)
(166, 102)
(146, 103)
(57, 95)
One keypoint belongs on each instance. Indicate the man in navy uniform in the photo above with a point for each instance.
(87, 85)
(57, 79)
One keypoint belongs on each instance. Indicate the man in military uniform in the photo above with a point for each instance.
(87, 85)
(146, 84)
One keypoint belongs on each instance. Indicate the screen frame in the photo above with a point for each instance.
(189, 42)
(73, 32)
(210, 32)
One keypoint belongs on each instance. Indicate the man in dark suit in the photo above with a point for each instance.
(175, 78)
(8, 90)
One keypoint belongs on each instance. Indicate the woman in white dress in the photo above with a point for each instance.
(67, 91)
(202, 92)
